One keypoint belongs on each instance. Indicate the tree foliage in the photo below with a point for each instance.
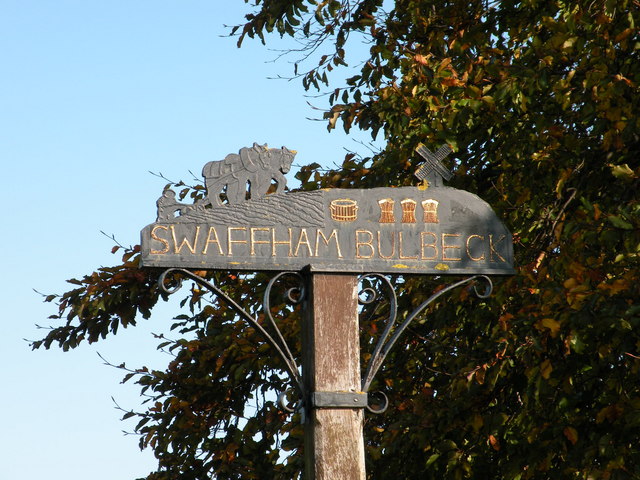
(540, 102)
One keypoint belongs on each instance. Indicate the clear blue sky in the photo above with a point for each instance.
(93, 96)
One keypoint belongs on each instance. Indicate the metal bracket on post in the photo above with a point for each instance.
(275, 339)
(387, 340)
(368, 295)
(339, 399)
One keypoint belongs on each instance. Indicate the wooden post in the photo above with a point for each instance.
(334, 445)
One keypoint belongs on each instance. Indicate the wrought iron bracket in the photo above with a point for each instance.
(375, 402)
(275, 339)
(388, 339)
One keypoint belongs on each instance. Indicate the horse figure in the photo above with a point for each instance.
(253, 167)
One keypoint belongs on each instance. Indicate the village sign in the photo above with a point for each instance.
(336, 245)
(425, 229)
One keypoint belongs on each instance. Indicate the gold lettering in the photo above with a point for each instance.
(492, 248)
(192, 248)
(368, 243)
(212, 240)
(446, 247)
(475, 259)
(231, 241)
(164, 241)
(275, 243)
(303, 233)
(255, 242)
(428, 245)
(393, 246)
(400, 254)
(334, 235)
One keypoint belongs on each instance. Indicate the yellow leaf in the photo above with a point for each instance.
(610, 413)
(334, 119)
(494, 442)
(571, 434)
(505, 320)
(570, 283)
(552, 325)
(569, 43)
(624, 34)
(617, 286)
(596, 211)
(623, 172)
(480, 373)
(488, 99)
(421, 59)
(477, 422)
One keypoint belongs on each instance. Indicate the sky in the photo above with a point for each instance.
(94, 96)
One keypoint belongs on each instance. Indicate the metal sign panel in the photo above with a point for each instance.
(429, 229)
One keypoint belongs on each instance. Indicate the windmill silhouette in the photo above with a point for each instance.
(432, 171)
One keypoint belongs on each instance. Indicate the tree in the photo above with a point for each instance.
(539, 101)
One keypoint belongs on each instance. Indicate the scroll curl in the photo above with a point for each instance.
(387, 340)
(170, 281)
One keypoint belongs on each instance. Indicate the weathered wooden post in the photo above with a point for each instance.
(334, 446)
(329, 240)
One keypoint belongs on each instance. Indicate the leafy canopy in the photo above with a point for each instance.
(539, 100)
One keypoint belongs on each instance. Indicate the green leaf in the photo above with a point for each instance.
(618, 222)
